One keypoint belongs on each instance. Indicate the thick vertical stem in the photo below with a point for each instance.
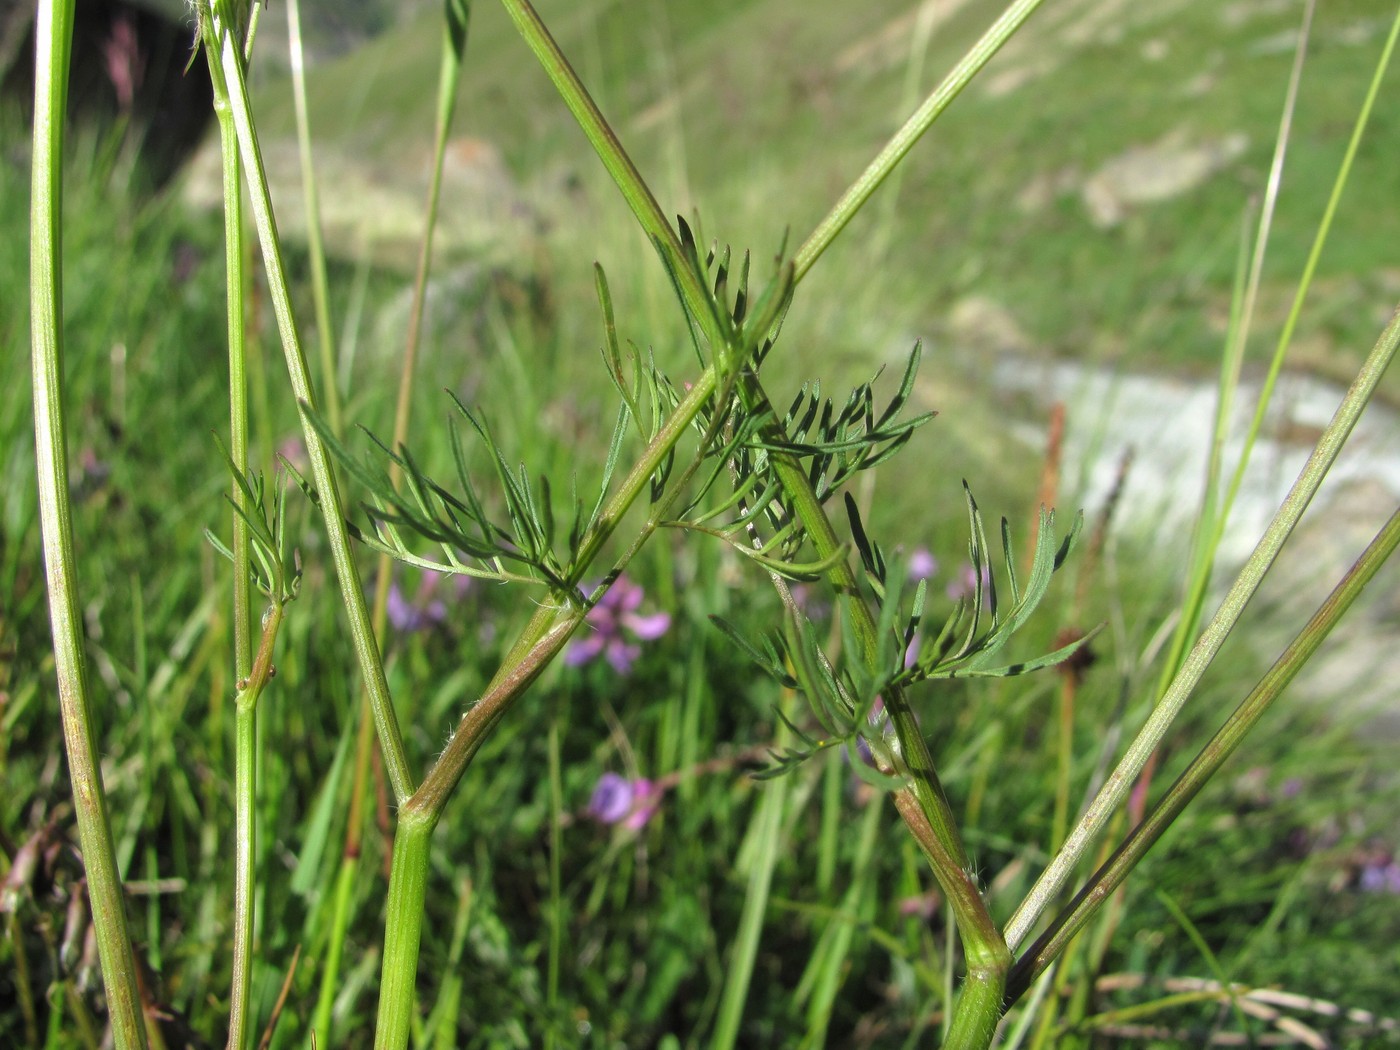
(408, 886)
(979, 1004)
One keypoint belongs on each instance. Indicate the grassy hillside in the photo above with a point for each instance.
(548, 922)
(756, 114)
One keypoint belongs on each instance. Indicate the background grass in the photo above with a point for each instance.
(1267, 867)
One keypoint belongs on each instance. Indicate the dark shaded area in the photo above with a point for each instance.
(128, 69)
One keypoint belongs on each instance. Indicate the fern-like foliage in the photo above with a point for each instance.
(528, 543)
(831, 445)
(276, 570)
(837, 445)
(843, 695)
(470, 542)
(971, 640)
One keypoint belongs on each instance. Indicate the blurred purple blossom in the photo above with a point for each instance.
(911, 654)
(1377, 870)
(293, 449)
(91, 475)
(922, 565)
(880, 723)
(811, 601)
(126, 65)
(425, 609)
(964, 585)
(1380, 878)
(611, 621)
(632, 803)
(923, 906)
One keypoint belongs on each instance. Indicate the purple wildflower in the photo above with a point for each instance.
(632, 803)
(1380, 878)
(922, 565)
(1377, 869)
(965, 585)
(425, 609)
(612, 620)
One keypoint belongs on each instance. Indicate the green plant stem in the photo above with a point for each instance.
(320, 294)
(1119, 783)
(610, 151)
(929, 819)
(245, 840)
(245, 731)
(1111, 875)
(234, 246)
(408, 884)
(903, 141)
(556, 882)
(979, 1002)
(918, 762)
(455, 30)
(225, 52)
(975, 922)
(245, 824)
(53, 31)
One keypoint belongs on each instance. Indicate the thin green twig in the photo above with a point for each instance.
(1116, 788)
(1109, 877)
(913, 129)
(53, 32)
(223, 48)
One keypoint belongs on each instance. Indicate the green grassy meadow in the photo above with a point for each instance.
(546, 926)
(762, 114)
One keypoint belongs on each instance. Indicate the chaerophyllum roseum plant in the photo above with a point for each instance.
(706, 456)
